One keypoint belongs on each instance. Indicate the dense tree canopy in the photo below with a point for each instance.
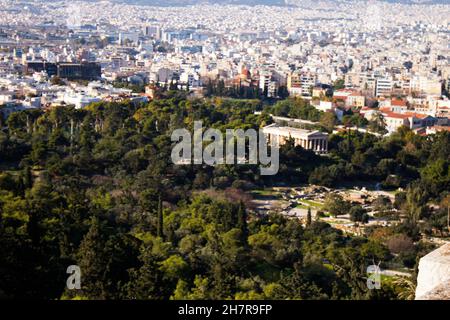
(96, 188)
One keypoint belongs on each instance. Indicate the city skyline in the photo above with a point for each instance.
(225, 150)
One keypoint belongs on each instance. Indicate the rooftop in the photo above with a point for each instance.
(292, 132)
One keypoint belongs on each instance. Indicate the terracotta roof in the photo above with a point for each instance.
(440, 128)
(395, 115)
(344, 90)
(385, 109)
(398, 103)
(417, 115)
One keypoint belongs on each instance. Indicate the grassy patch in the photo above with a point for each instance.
(312, 203)
(265, 193)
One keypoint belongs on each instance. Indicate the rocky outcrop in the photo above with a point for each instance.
(433, 281)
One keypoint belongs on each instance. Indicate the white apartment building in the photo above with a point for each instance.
(78, 99)
(426, 85)
(307, 82)
(384, 86)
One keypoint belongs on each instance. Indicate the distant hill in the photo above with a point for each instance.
(169, 3)
(191, 2)
(419, 1)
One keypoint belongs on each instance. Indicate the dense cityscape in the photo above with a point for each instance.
(356, 94)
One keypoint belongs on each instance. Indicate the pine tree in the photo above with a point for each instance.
(145, 282)
(92, 261)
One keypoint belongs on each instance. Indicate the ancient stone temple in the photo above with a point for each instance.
(308, 139)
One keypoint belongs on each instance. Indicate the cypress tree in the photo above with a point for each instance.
(242, 222)
(160, 232)
(309, 218)
(27, 177)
